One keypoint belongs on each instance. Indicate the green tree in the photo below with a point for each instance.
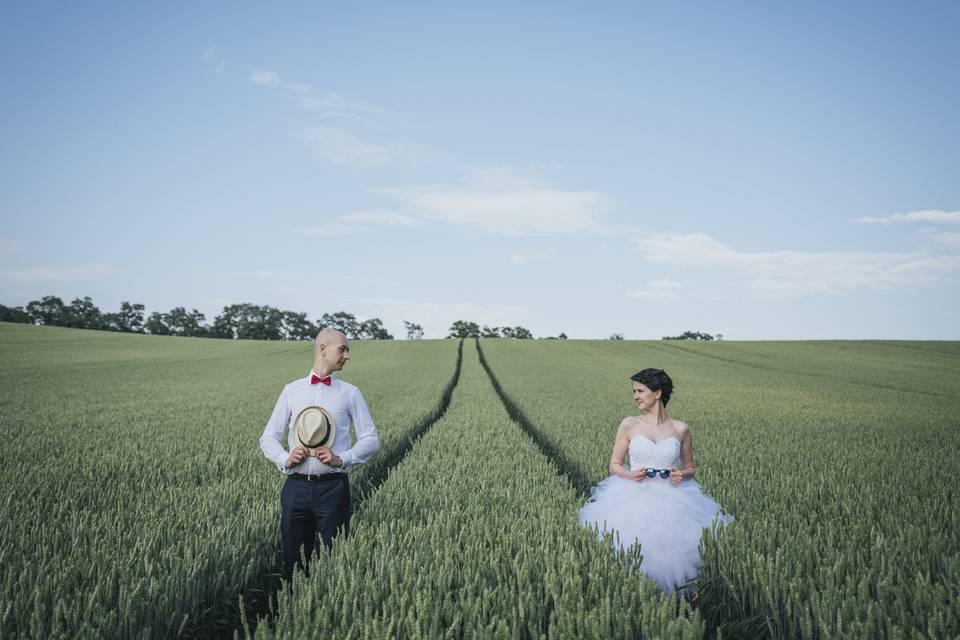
(257, 322)
(616, 336)
(522, 333)
(464, 329)
(342, 321)
(48, 310)
(156, 325)
(373, 329)
(690, 335)
(247, 321)
(414, 331)
(185, 323)
(83, 314)
(490, 332)
(14, 314)
(225, 324)
(296, 326)
(128, 319)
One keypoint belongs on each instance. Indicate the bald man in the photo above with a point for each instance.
(315, 499)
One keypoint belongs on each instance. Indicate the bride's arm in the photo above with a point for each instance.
(620, 445)
(687, 466)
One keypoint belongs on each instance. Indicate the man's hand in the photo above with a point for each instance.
(296, 456)
(326, 456)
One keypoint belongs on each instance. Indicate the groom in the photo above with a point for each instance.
(316, 496)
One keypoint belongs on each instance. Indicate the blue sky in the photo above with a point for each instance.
(752, 169)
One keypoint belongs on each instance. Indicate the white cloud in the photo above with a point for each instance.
(53, 274)
(338, 146)
(933, 215)
(273, 79)
(518, 211)
(380, 217)
(327, 104)
(526, 256)
(792, 274)
(213, 60)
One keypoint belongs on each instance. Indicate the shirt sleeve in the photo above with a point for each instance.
(271, 442)
(368, 442)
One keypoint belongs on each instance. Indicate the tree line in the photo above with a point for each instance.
(468, 329)
(242, 321)
(247, 321)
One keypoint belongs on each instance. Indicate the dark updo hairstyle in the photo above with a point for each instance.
(655, 380)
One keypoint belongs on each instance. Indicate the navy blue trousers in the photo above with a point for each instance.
(308, 509)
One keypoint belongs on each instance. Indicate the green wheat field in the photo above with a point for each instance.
(137, 504)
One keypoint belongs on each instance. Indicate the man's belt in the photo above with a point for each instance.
(318, 477)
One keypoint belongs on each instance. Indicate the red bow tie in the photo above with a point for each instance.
(314, 379)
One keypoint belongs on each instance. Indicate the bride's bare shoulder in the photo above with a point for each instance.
(627, 423)
(681, 427)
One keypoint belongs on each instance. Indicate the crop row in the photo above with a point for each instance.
(475, 535)
(136, 500)
(836, 459)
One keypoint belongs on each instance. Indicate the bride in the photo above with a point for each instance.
(655, 502)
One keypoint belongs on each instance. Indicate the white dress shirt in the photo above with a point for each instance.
(344, 402)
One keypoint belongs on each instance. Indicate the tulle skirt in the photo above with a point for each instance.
(665, 519)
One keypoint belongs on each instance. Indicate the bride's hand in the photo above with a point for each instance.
(637, 476)
(676, 476)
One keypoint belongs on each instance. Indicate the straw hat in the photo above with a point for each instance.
(314, 427)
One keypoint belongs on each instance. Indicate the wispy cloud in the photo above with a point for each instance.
(526, 256)
(273, 79)
(932, 215)
(339, 146)
(213, 60)
(518, 212)
(380, 218)
(327, 104)
(54, 274)
(792, 274)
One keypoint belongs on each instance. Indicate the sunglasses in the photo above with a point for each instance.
(664, 473)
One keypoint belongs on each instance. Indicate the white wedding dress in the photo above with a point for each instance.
(667, 520)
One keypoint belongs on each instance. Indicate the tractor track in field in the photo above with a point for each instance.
(259, 597)
(715, 611)
(565, 468)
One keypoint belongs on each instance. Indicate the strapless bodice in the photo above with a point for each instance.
(659, 455)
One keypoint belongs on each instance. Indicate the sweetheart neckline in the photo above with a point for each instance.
(640, 435)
